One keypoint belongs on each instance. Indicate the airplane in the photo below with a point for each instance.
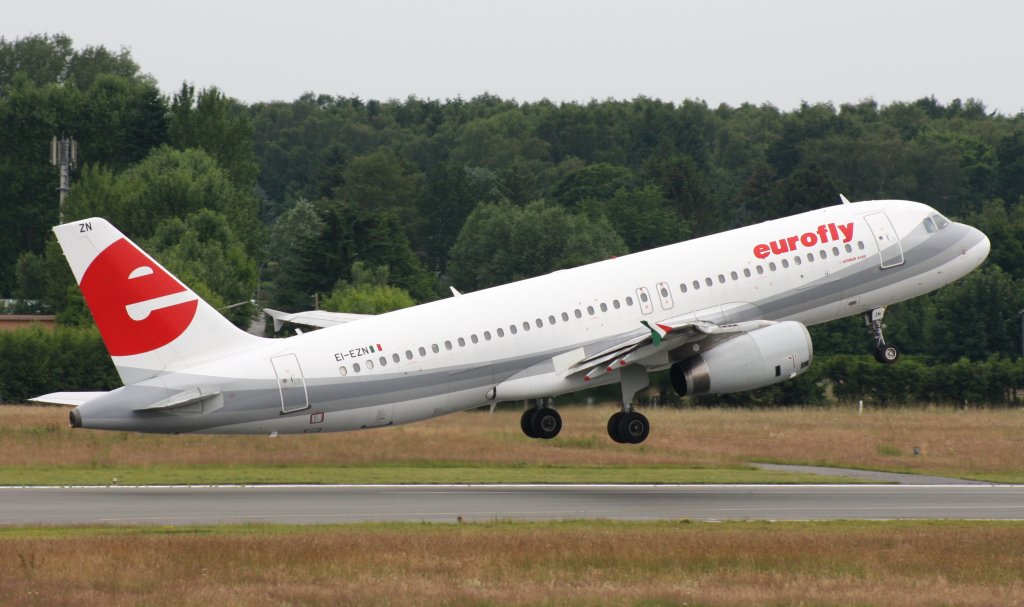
(724, 313)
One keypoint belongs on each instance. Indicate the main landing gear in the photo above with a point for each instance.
(625, 426)
(541, 422)
(629, 426)
(884, 353)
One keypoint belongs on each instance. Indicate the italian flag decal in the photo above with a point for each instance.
(658, 332)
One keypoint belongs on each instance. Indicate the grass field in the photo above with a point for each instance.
(572, 563)
(686, 445)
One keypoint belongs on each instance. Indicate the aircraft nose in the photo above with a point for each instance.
(978, 248)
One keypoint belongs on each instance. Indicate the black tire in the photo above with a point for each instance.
(887, 354)
(634, 428)
(526, 421)
(613, 427)
(546, 424)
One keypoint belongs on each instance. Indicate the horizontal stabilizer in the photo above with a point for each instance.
(313, 318)
(183, 399)
(67, 398)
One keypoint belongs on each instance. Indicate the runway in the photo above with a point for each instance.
(451, 503)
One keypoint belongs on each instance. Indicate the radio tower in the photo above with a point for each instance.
(64, 154)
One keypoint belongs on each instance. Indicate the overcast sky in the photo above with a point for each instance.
(779, 51)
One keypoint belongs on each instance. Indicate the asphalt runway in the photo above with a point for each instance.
(451, 503)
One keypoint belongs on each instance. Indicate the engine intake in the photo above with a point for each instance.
(752, 360)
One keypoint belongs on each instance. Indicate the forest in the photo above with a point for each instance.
(363, 205)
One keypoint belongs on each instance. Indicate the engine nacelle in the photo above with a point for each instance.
(752, 360)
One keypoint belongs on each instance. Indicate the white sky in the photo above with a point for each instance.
(776, 51)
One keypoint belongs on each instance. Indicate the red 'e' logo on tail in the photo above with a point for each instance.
(138, 306)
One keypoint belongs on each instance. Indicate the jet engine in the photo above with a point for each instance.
(750, 360)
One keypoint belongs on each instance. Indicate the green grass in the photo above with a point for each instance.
(419, 473)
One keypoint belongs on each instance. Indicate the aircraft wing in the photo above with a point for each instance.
(313, 318)
(67, 398)
(661, 337)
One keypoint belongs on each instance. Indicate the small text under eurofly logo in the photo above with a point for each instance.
(358, 352)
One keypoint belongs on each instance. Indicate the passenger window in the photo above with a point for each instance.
(551, 319)
(369, 365)
(565, 316)
(487, 335)
(577, 313)
(643, 297)
(721, 278)
(383, 361)
(629, 301)
(447, 345)
(473, 338)
(434, 348)
(423, 351)
(355, 367)
(462, 342)
(860, 245)
(772, 266)
(604, 307)
(708, 281)
(822, 254)
(590, 310)
(342, 371)
(501, 332)
(682, 287)
(760, 270)
(408, 355)
(810, 257)
(785, 263)
(746, 272)
(849, 249)
(512, 329)
(696, 284)
(526, 326)
(734, 275)
(615, 304)
(799, 260)
(395, 357)
(835, 251)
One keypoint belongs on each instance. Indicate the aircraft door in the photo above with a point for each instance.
(644, 300)
(889, 248)
(290, 383)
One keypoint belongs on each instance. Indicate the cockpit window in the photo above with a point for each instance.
(940, 221)
(929, 225)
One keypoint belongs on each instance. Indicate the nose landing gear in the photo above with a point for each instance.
(884, 353)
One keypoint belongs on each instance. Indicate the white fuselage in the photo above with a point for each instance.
(498, 344)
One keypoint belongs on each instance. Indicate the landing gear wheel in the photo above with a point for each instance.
(546, 424)
(526, 422)
(634, 428)
(887, 354)
(613, 427)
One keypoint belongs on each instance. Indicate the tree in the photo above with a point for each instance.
(218, 125)
(368, 293)
(502, 242)
(168, 183)
(204, 252)
(642, 217)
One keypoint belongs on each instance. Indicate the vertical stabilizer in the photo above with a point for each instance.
(150, 321)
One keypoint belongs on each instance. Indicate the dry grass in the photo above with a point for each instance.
(597, 563)
(975, 443)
